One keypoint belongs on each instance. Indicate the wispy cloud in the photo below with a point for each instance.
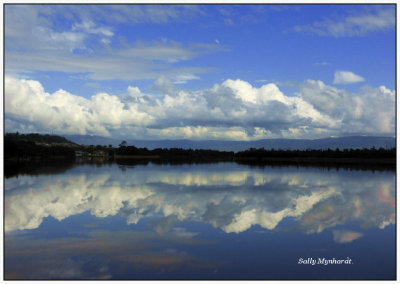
(90, 27)
(322, 63)
(126, 14)
(379, 19)
(92, 84)
(143, 60)
(184, 78)
(86, 42)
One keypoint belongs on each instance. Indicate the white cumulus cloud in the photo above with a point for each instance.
(347, 77)
(233, 110)
(26, 100)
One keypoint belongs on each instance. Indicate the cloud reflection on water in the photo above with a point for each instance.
(231, 199)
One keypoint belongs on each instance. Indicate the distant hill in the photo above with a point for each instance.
(355, 142)
(38, 138)
(26, 146)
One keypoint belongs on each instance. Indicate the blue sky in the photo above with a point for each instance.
(240, 72)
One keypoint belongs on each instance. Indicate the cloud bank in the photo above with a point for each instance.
(233, 110)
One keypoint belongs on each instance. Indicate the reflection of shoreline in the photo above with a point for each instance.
(37, 167)
(328, 163)
(53, 166)
(314, 160)
(339, 163)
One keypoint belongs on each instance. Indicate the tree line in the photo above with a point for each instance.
(36, 145)
(25, 146)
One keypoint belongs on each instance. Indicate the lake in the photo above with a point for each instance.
(199, 221)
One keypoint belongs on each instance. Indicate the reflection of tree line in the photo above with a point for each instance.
(37, 167)
(333, 164)
(58, 166)
(365, 153)
(26, 146)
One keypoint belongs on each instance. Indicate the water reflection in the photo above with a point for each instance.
(210, 221)
(231, 198)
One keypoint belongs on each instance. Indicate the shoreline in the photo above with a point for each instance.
(309, 159)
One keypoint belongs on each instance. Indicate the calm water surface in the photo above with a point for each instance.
(208, 221)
